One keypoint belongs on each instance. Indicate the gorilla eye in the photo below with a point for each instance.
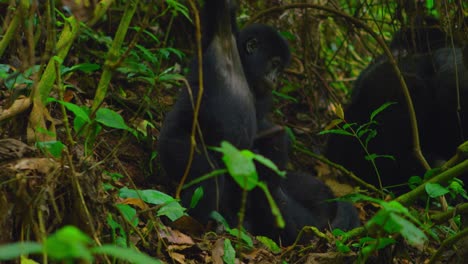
(251, 45)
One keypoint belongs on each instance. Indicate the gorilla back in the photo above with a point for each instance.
(227, 111)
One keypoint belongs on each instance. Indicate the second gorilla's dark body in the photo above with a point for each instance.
(429, 70)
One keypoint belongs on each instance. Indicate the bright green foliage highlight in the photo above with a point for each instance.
(229, 256)
(171, 208)
(69, 243)
(269, 243)
(14, 250)
(129, 213)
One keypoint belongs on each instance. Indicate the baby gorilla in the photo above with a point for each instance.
(302, 199)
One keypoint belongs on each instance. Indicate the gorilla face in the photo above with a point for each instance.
(264, 54)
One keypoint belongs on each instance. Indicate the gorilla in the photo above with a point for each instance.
(434, 75)
(227, 112)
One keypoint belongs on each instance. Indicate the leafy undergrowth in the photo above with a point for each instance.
(88, 184)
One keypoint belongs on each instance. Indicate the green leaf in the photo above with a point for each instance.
(269, 164)
(240, 165)
(243, 235)
(111, 118)
(220, 219)
(69, 243)
(409, 231)
(414, 181)
(83, 67)
(119, 236)
(435, 190)
(197, 195)
(147, 54)
(75, 109)
(15, 250)
(172, 208)
(126, 254)
(339, 112)
(275, 211)
(55, 148)
(229, 256)
(336, 131)
(129, 213)
(342, 247)
(380, 109)
(269, 243)
(149, 196)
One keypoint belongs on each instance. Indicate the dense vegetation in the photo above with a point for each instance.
(85, 85)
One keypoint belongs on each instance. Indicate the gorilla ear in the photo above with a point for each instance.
(251, 45)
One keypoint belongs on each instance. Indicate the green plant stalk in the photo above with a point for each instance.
(372, 161)
(99, 11)
(43, 88)
(113, 54)
(10, 31)
(445, 176)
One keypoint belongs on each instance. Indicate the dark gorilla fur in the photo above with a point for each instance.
(429, 70)
(302, 199)
(227, 112)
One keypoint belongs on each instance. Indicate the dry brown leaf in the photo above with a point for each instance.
(135, 201)
(176, 237)
(180, 258)
(41, 165)
(218, 251)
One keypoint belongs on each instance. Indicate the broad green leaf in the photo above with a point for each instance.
(408, 230)
(240, 165)
(435, 190)
(229, 256)
(149, 196)
(269, 243)
(127, 254)
(75, 109)
(172, 208)
(110, 118)
(15, 250)
(69, 243)
(55, 148)
(243, 235)
(129, 213)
